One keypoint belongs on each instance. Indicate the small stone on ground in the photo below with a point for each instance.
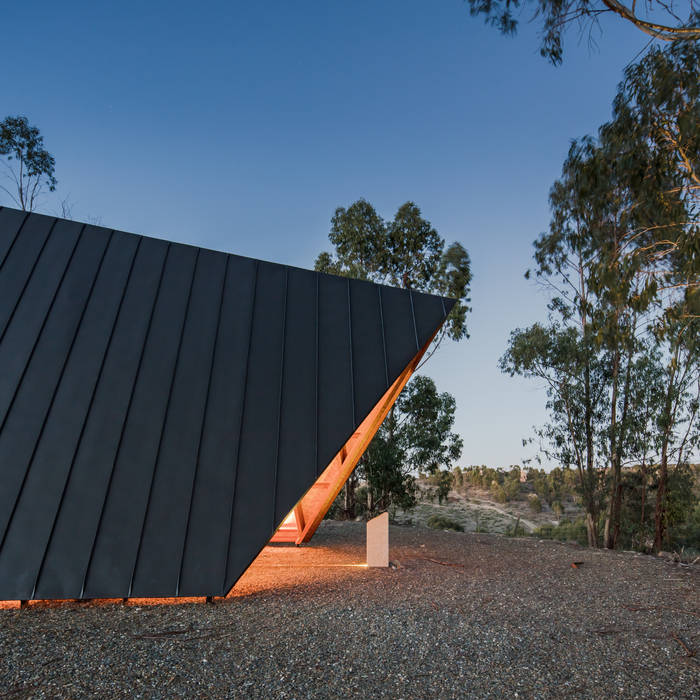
(456, 616)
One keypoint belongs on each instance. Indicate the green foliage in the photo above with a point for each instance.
(30, 167)
(565, 531)
(442, 522)
(425, 423)
(619, 356)
(505, 484)
(443, 481)
(687, 534)
(406, 252)
(416, 435)
(556, 15)
(498, 492)
(534, 503)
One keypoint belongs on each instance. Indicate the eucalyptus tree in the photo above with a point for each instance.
(29, 166)
(416, 436)
(621, 252)
(405, 252)
(594, 307)
(654, 139)
(677, 421)
(656, 130)
(556, 16)
(576, 378)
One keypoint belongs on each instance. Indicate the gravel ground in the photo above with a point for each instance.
(459, 616)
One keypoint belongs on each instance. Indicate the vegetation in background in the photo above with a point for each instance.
(29, 167)
(620, 355)
(417, 434)
(441, 522)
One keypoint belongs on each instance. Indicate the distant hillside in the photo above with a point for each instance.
(477, 509)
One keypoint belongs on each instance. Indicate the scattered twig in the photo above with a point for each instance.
(688, 651)
(634, 608)
(165, 634)
(442, 563)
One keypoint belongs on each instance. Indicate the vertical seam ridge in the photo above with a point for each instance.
(137, 374)
(76, 451)
(166, 415)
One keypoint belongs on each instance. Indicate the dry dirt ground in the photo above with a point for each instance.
(460, 616)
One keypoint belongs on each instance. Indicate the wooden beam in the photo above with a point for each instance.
(342, 465)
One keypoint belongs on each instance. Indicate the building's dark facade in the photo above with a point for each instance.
(163, 407)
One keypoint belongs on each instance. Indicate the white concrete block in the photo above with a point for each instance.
(378, 541)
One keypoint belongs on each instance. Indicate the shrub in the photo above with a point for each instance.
(535, 503)
(498, 492)
(511, 488)
(564, 531)
(558, 508)
(516, 530)
(442, 522)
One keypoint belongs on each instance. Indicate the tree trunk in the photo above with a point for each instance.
(591, 529)
(644, 504)
(590, 482)
(660, 514)
(349, 498)
(614, 461)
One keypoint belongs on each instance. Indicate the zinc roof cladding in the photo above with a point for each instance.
(163, 407)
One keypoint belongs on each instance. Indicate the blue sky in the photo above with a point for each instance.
(242, 126)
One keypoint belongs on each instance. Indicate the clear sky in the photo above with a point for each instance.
(242, 126)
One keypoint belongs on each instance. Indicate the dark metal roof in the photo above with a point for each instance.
(163, 407)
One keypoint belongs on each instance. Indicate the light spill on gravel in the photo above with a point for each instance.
(497, 618)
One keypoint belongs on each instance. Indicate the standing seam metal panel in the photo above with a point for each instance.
(129, 247)
(30, 518)
(252, 512)
(296, 462)
(127, 501)
(207, 406)
(70, 548)
(157, 568)
(123, 424)
(163, 407)
(207, 543)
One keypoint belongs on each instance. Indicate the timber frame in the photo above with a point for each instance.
(303, 520)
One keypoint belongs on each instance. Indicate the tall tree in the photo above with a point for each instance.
(677, 417)
(416, 436)
(576, 379)
(556, 16)
(621, 262)
(654, 141)
(405, 252)
(29, 166)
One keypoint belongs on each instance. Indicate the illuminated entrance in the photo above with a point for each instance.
(302, 521)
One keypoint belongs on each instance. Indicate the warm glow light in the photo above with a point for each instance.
(303, 520)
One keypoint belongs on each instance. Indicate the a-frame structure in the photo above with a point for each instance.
(163, 408)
